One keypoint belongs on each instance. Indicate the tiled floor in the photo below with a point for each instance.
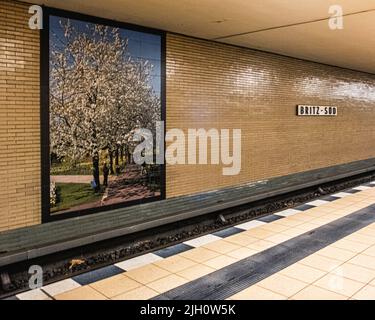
(344, 269)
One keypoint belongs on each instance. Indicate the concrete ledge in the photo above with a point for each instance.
(37, 241)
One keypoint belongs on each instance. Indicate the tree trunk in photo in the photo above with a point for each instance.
(117, 164)
(126, 151)
(110, 153)
(122, 154)
(96, 173)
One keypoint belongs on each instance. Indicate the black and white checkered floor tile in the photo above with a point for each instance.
(51, 290)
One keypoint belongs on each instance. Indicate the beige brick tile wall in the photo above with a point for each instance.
(212, 85)
(209, 85)
(19, 118)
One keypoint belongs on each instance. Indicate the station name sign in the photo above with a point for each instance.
(327, 111)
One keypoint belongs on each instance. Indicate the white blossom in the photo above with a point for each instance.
(98, 93)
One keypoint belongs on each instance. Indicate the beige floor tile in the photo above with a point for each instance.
(221, 246)
(370, 251)
(318, 223)
(220, 262)
(350, 245)
(301, 217)
(306, 227)
(337, 204)
(175, 263)
(82, 293)
(315, 213)
(257, 293)
(115, 285)
(342, 202)
(367, 232)
(142, 293)
(339, 284)
(322, 210)
(288, 222)
(316, 293)
(357, 206)
(199, 254)
(62, 286)
(165, 284)
(355, 272)
(261, 245)
(366, 293)
(362, 194)
(282, 285)
(336, 253)
(347, 201)
(341, 213)
(361, 239)
(364, 261)
(259, 233)
(333, 216)
(278, 238)
(368, 202)
(195, 272)
(303, 273)
(323, 220)
(293, 232)
(276, 228)
(371, 226)
(241, 239)
(242, 253)
(147, 274)
(320, 262)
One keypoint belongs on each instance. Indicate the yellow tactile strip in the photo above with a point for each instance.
(156, 278)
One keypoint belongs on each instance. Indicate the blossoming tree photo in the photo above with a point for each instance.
(104, 84)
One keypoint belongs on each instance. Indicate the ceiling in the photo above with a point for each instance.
(291, 27)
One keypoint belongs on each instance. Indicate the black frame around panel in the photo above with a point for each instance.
(44, 111)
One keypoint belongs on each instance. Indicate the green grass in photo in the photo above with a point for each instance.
(74, 194)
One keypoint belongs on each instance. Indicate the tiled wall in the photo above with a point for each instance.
(19, 118)
(211, 85)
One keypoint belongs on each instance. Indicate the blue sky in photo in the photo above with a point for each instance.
(141, 45)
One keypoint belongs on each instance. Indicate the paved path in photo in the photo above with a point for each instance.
(126, 187)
